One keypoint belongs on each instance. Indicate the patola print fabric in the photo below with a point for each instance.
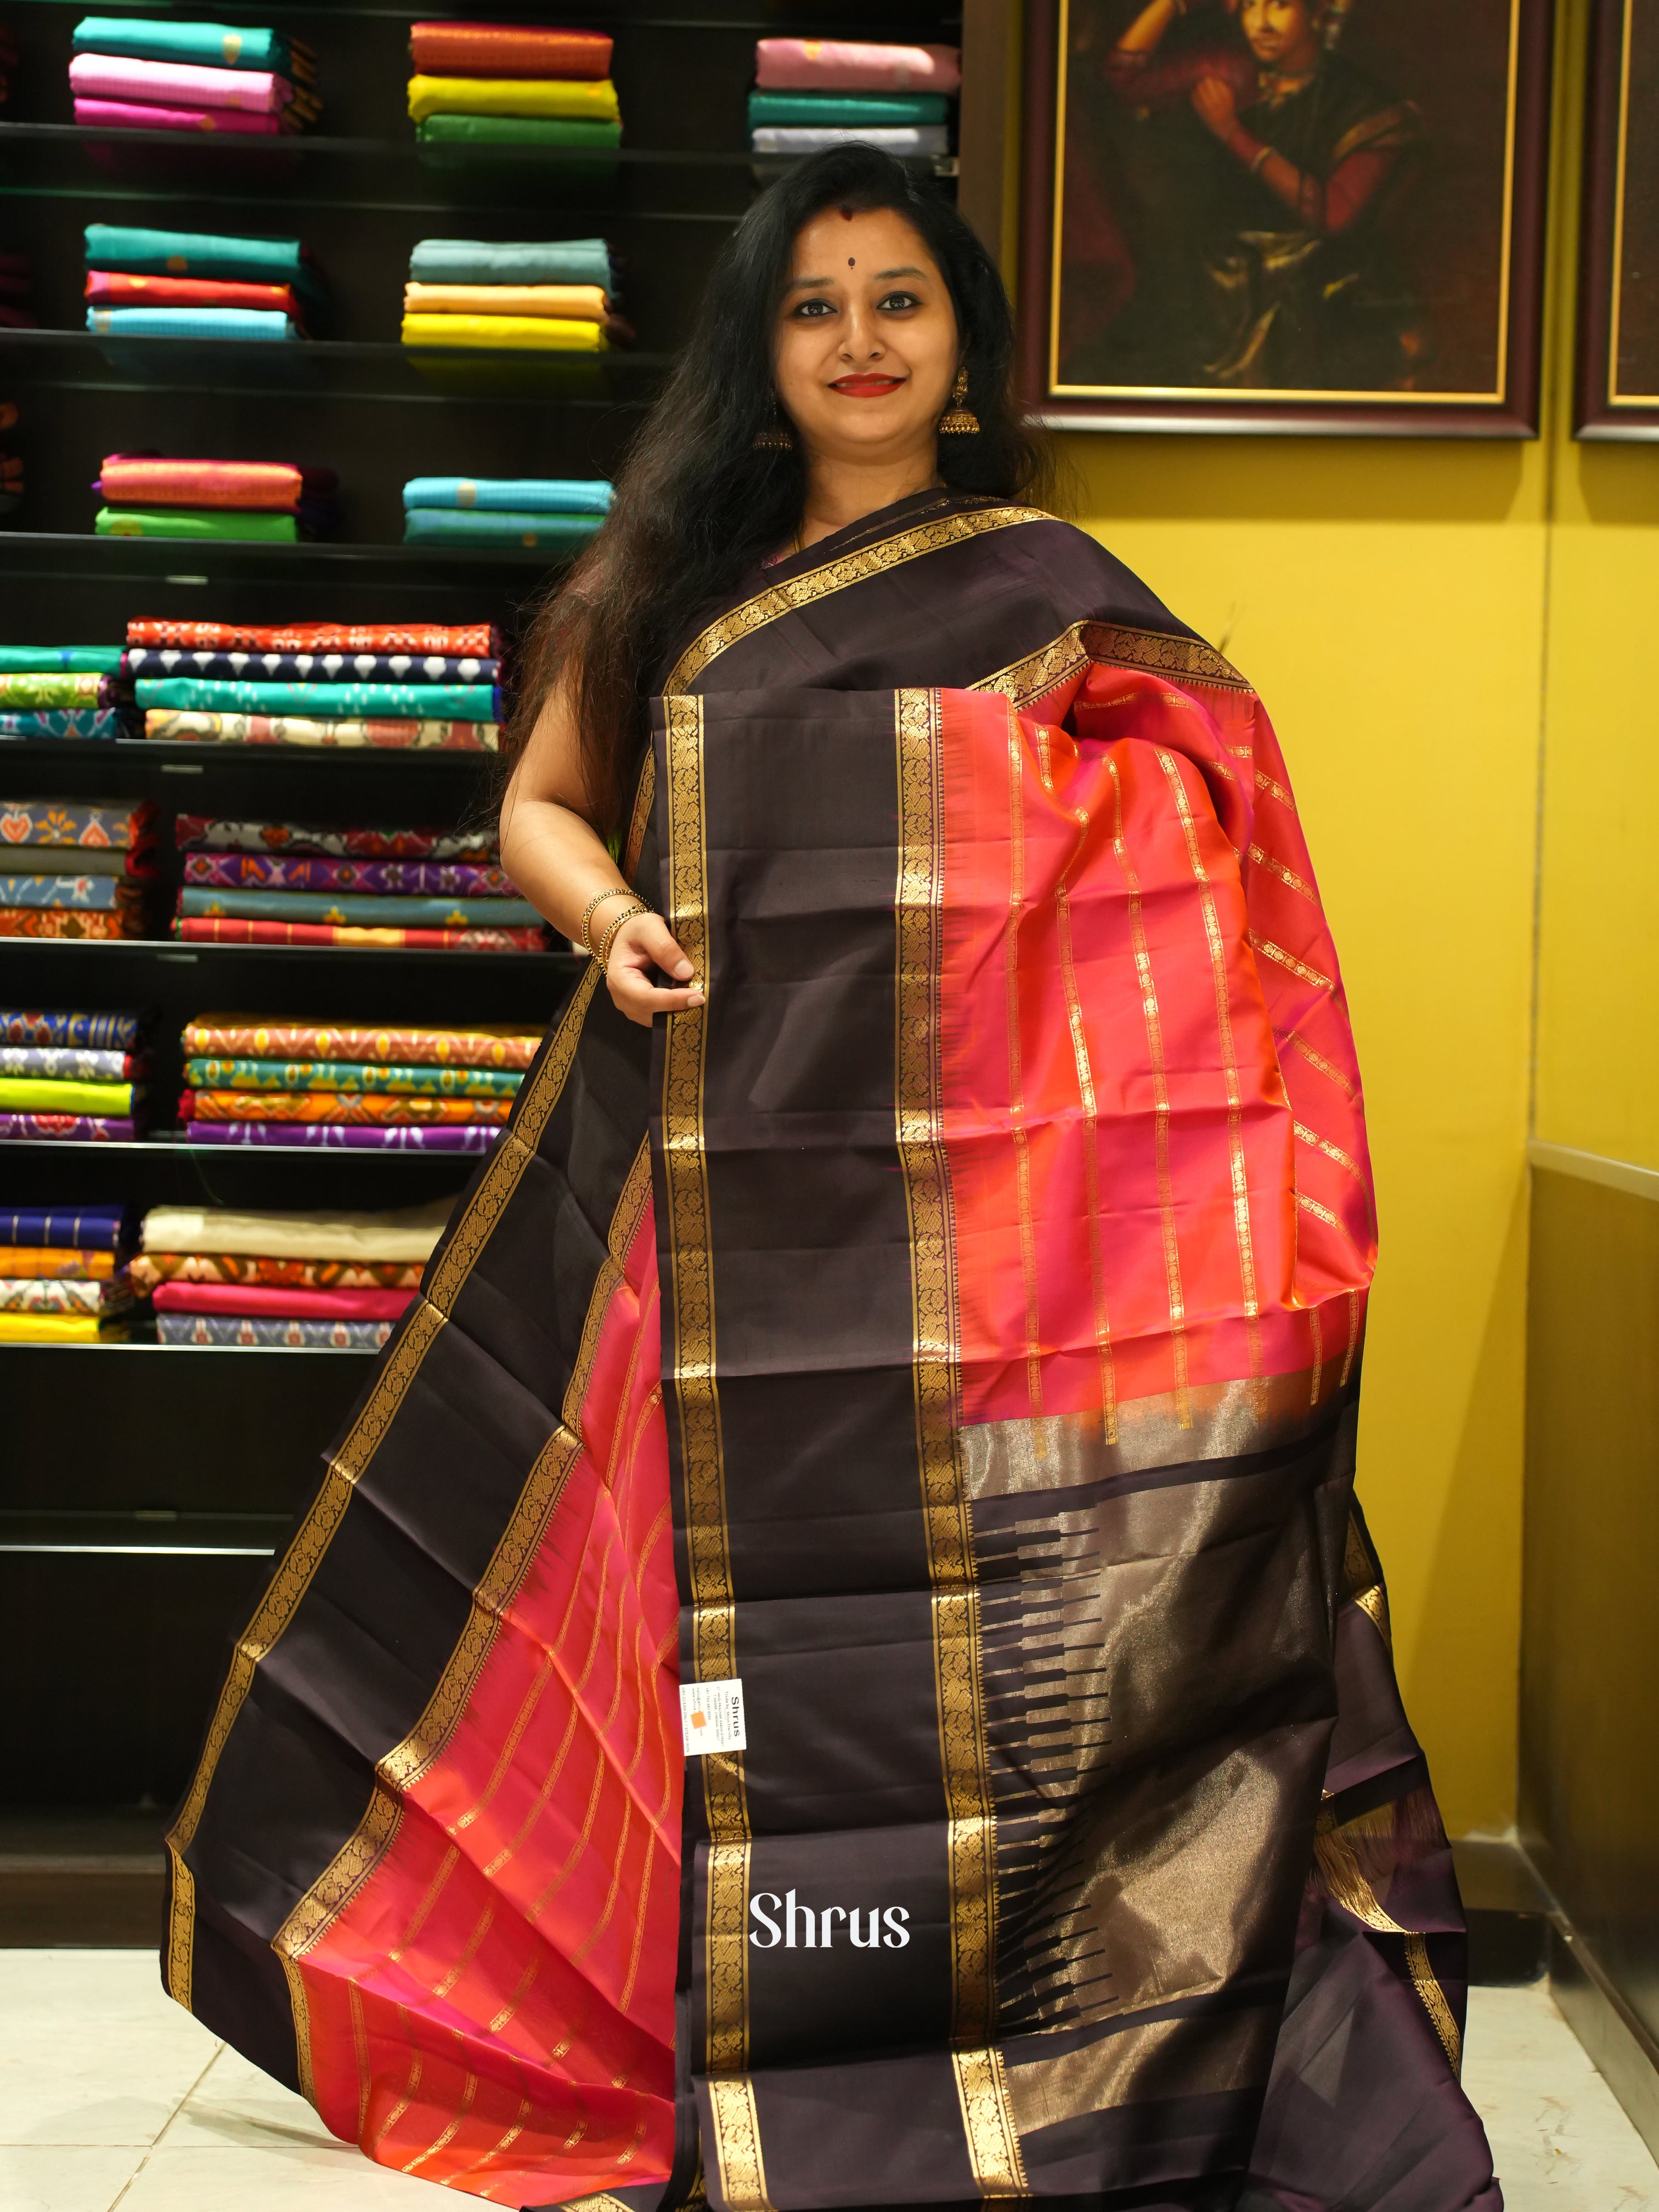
(836, 1662)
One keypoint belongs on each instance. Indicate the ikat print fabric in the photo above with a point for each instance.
(129, 824)
(377, 841)
(382, 734)
(274, 871)
(380, 688)
(334, 1136)
(307, 1335)
(483, 638)
(107, 1032)
(322, 1281)
(249, 1035)
(68, 1075)
(308, 886)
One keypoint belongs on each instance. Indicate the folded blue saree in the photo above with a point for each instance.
(520, 495)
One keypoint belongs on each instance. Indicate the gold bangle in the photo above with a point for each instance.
(616, 891)
(603, 956)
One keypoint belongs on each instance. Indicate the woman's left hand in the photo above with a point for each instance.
(1214, 105)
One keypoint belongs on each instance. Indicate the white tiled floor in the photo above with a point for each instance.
(110, 2095)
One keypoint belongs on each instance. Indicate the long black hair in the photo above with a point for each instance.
(698, 503)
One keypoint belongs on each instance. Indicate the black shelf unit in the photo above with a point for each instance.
(143, 1487)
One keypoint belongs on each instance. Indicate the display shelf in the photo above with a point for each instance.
(143, 1484)
(373, 367)
(81, 552)
(180, 757)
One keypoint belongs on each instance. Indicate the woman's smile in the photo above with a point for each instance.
(867, 383)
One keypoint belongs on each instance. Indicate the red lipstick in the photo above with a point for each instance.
(866, 386)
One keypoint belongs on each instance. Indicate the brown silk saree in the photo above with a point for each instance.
(952, 1334)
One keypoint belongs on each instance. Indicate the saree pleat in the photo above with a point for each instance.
(951, 1334)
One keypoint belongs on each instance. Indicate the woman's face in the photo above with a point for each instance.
(1281, 32)
(867, 348)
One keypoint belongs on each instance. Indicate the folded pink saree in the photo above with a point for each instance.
(851, 65)
(291, 1305)
(180, 84)
(128, 115)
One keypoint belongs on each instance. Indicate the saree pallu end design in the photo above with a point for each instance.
(1015, 1230)
(428, 1870)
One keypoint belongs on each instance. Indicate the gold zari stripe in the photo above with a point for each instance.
(879, 560)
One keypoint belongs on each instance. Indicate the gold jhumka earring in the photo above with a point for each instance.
(958, 420)
(777, 437)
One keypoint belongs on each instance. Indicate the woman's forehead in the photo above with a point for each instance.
(843, 238)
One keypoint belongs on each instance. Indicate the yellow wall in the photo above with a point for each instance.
(1411, 611)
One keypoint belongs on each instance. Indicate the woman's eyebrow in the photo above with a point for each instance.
(881, 276)
(805, 283)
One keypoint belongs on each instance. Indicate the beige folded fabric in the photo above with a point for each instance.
(408, 1234)
(579, 303)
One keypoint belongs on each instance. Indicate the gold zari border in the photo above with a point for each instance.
(737, 2143)
(1112, 644)
(788, 598)
(696, 1399)
(993, 2146)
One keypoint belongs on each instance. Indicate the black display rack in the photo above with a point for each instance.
(143, 1487)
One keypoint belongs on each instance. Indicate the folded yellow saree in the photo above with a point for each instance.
(514, 333)
(595, 100)
(580, 303)
(50, 1329)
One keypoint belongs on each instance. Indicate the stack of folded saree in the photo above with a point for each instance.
(77, 1076)
(64, 1273)
(76, 867)
(281, 1079)
(16, 290)
(559, 513)
(404, 687)
(134, 73)
(481, 87)
(328, 1281)
(811, 92)
(147, 496)
(552, 296)
(374, 888)
(197, 284)
(11, 464)
(63, 692)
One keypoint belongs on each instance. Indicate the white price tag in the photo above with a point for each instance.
(711, 1718)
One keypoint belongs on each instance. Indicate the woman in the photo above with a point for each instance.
(1287, 154)
(941, 1332)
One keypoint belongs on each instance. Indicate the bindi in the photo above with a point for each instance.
(851, 263)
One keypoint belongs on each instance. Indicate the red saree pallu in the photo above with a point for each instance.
(941, 1352)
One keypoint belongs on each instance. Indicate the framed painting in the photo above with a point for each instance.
(1617, 382)
(1292, 215)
